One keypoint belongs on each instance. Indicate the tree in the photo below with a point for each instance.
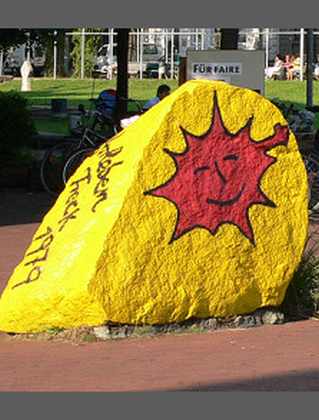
(11, 38)
(229, 38)
(122, 70)
(132, 48)
(92, 43)
(47, 38)
(43, 38)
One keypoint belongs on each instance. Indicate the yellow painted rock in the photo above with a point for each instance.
(197, 209)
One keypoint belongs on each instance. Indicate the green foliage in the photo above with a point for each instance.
(47, 38)
(302, 296)
(92, 43)
(54, 330)
(52, 125)
(11, 38)
(16, 125)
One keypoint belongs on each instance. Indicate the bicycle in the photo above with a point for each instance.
(312, 167)
(52, 164)
(78, 156)
(59, 162)
(89, 143)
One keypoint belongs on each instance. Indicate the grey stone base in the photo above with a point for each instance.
(259, 317)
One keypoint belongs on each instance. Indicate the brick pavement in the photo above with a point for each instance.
(268, 358)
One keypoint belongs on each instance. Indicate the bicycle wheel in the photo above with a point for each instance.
(52, 166)
(104, 126)
(74, 161)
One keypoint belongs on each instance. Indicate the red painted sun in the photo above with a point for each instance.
(218, 177)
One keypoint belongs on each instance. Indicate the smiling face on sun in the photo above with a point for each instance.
(218, 177)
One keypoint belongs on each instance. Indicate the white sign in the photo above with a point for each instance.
(206, 76)
(216, 70)
(238, 67)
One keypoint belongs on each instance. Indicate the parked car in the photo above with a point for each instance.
(106, 63)
(153, 69)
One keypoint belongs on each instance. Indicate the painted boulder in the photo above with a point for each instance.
(197, 209)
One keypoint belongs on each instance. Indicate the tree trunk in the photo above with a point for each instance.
(122, 71)
(229, 38)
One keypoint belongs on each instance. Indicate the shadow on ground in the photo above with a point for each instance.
(18, 206)
(305, 380)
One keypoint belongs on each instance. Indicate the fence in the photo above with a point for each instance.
(270, 34)
(266, 34)
(166, 34)
(198, 38)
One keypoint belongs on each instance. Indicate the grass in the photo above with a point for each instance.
(52, 125)
(291, 91)
(80, 91)
(54, 330)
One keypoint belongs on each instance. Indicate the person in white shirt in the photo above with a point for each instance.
(275, 70)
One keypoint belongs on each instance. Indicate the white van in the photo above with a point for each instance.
(106, 62)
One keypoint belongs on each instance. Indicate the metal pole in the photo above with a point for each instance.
(29, 49)
(111, 57)
(137, 46)
(82, 52)
(163, 45)
(196, 39)
(141, 54)
(309, 67)
(172, 54)
(1, 62)
(163, 33)
(188, 42)
(54, 54)
(267, 47)
(166, 46)
(301, 52)
(111, 46)
(203, 39)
